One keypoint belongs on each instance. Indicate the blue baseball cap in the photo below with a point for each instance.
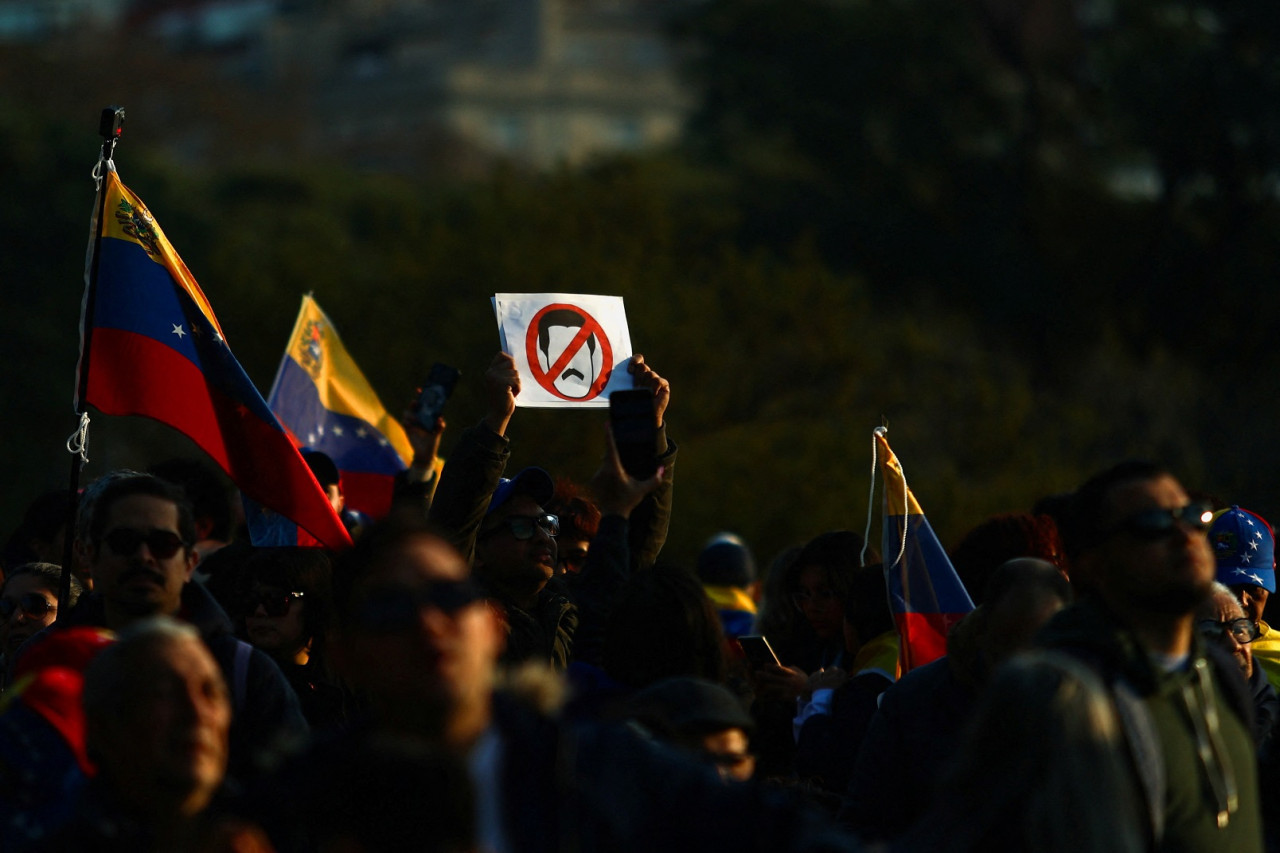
(534, 482)
(1245, 548)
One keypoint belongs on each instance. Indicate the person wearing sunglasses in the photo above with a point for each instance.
(139, 544)
(1244, 546)
(287, 611)
(1141, 564)
(502, 527)
(1222, 621)
(28, 604)
(422, 645)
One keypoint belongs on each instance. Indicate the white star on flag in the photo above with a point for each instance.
(337, 430)
(177, 330)
(1253, 546)
(361, 432)
(320, 429)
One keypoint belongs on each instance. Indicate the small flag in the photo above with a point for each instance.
(151, 346)
(925, 593)
(323, 399)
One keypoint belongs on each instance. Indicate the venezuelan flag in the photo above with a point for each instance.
(321, 396)
(151, 346)
(925, 593)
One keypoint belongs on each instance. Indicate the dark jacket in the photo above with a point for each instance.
(1266, 709)
(601, 788)
(1162, 714)
(100, 824)
(584, 788)
(266, 714)
(912, 735)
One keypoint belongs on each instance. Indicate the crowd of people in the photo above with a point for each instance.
(507, 663)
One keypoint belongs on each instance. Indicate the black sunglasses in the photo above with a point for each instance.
(162, 544)
(1153, 524)
(387, 611)
(522, 526)
(33, 604)
(1243, 630)
(273, 602)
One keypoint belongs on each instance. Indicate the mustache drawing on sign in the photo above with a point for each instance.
(569, 351)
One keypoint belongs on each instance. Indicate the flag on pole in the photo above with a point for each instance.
(925, 593)
(151, 346)
(324, 400)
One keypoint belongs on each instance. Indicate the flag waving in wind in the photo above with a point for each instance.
(321, 396)
(151, 346)
(925, 593)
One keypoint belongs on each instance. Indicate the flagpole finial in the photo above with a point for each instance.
(110, 128)
(881, 431)
(111, 125)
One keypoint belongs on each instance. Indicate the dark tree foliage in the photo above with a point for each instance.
(1036, 237)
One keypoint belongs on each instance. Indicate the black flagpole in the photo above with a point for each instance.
(110, 128)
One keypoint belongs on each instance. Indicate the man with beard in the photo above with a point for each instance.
(141, 555)
(501, 527)
(1142, 564)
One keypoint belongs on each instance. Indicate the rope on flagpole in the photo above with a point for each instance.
(871, 497)
(78, 443)
(906, 504)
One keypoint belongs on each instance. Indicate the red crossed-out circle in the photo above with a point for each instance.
(590, 326)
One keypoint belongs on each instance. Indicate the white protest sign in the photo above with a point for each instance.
(571, 349)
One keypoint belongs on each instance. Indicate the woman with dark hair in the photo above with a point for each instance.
(286, 611)
(818, 583)
(662, 626)
(28, 605)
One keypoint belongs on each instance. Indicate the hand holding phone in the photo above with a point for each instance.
(758, 651)
(435, 393)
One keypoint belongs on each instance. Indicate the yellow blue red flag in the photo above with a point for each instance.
(150, 345)
(324, 400)
(925, 593)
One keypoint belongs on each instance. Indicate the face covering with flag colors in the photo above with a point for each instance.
(151, 346)
(321, 396)
(925, 593)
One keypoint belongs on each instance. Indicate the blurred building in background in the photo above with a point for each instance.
(386, 84)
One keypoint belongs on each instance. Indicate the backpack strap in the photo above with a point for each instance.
(240, 676)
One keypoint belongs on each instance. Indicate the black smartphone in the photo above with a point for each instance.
(757, 650)
(435, 391)
(634, 431)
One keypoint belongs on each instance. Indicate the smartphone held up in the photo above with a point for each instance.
(435, 392)
(635, 429)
